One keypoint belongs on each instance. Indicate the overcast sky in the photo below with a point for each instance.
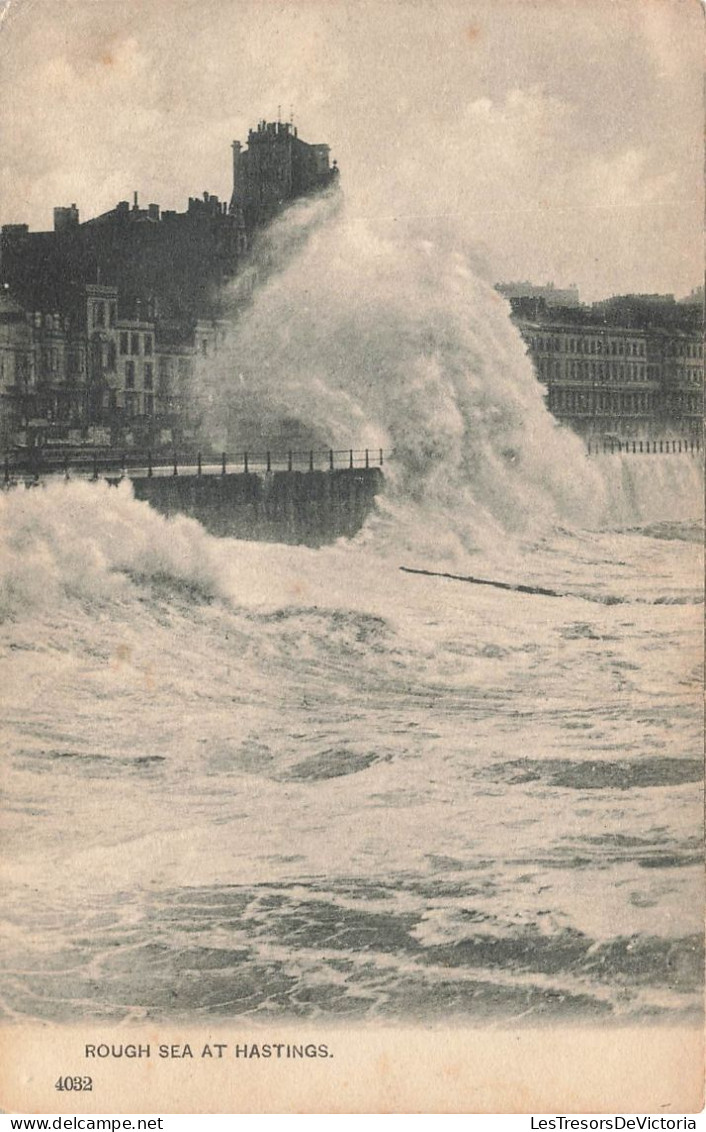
(565, 136)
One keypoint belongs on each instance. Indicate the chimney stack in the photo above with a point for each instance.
(236, 171)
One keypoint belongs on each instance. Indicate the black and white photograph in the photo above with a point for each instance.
(351, 568)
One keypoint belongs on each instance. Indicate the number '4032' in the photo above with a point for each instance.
(74, 1085)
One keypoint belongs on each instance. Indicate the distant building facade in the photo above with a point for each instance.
(104, 324)
(631, 366)
(17, 369)
(551, 295)
(103, 377)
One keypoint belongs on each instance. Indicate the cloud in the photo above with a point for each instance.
(550, 125)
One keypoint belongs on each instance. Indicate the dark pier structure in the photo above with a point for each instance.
(310, 508)
(309, 498)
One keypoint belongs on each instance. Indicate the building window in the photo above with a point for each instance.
(148, 344)
(99, 314)
(148, 375)
(111, 356)
(149, 404)
(21, 368)
(134, 343)
(113, 313)
(123, 342)
(129, 375)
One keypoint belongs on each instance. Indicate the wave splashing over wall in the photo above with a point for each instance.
(221, 754)
(387, 335)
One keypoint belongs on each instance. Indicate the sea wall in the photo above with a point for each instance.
(313, 507)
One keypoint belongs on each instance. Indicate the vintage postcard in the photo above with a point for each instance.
(351, 368)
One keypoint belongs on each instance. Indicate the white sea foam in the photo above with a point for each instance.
(81, 540)
(378, 335)
(328, 767)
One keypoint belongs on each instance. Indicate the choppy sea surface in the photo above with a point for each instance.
(274, 782)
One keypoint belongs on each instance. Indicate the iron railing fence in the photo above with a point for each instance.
(612, 446)
(110, 462)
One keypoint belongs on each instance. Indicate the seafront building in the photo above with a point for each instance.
(630, 366)
(101, 375)
(105, 324)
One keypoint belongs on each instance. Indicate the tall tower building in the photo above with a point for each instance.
(277, 167)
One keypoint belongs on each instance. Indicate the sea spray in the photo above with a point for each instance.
(276, 245)
(270, 781)
(375, 335)
(343, 791)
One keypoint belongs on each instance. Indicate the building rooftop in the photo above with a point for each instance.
(10, 309)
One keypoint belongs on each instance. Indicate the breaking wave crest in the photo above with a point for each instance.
(345, 790)
(385, 335)
(84, 541)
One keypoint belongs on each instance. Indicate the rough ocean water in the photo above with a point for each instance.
(274, 782)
